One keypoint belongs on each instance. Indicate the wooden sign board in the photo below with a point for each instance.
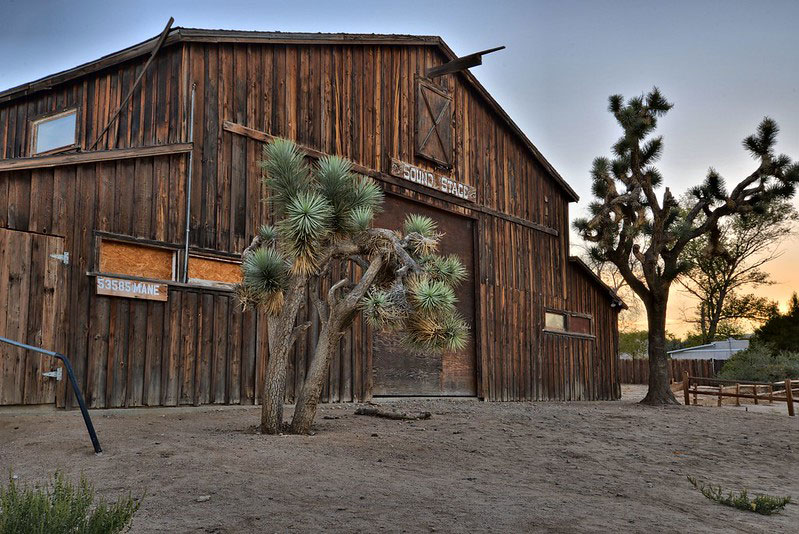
(439, 182)
(133, 289)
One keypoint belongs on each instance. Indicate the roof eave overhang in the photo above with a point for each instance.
(614, 297)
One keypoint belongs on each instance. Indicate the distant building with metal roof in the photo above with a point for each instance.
(718, 350)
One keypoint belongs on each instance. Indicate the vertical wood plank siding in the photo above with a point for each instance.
(152, 117)
(352, 100)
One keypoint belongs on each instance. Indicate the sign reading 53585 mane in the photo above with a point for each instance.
(439, 182)
(134, 289)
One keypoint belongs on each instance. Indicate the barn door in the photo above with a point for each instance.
(399, 371)
(32, 311)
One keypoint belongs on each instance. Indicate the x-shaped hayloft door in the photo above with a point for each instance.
(438, 122)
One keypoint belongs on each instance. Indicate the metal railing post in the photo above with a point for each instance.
(71, 374)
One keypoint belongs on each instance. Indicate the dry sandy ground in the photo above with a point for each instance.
(473, 467)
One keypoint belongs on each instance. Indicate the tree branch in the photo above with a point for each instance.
(298, 331)
(331, 293)
(320, 306)
(254, 244)
(358, 260)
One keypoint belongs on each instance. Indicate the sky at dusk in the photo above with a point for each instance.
(724, 64)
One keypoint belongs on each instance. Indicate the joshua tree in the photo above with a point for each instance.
(324, 217)
(630, 226)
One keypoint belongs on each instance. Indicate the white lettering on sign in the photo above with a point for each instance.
(134, 289)
(420, 176)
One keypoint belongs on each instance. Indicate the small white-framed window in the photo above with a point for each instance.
(55, 132)
(555, 321)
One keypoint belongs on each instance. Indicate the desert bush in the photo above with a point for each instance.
(62, 507)
(761, 504)
(761, 363)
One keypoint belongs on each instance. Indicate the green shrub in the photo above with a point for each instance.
(761, 363)
(762, 504)
(61, 507)
(782, 331)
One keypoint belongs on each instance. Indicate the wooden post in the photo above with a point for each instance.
(771, 394)
(754, 392)
(686, 386)
(789, 396)
(721, 393)
(738, 392)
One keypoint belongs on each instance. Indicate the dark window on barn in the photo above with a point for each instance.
(211, 271)
(567, 322)
(54, 133)
(433, 123)
(579, 324)
(133, 259)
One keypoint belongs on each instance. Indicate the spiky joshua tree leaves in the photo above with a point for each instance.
(324, 217)
(419, 303)
(640, 232)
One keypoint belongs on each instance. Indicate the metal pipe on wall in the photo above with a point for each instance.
(188, 187)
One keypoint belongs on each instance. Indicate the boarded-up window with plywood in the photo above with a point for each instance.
(433, 123)
(214, 271)
(580, 324)
(133, 259)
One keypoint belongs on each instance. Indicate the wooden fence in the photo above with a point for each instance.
(787, 391)
(637, 371)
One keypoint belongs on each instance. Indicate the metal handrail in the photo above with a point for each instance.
(72, 380)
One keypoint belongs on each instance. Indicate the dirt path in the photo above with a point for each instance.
(514, 467)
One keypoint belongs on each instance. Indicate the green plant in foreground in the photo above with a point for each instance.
(62, 507)
(761, 504)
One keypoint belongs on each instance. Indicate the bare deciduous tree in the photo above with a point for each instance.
(748, 242)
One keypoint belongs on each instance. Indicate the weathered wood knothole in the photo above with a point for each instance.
(120, 214)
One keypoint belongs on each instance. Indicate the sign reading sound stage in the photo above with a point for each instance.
(420, 176)
(133, 289)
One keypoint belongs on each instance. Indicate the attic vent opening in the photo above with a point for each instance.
(55, 132)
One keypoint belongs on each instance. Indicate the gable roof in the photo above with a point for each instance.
(597, 280)
(180, 34)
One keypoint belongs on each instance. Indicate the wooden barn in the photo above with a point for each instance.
(122, 222)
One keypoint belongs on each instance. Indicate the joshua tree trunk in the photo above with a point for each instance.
(659, 389)
(282, 334)
(308, 399)
(274, 388)
(336, 316)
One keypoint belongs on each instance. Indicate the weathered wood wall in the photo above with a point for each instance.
(357, 101)
(352, 100)
(156, 115)
(601, 367)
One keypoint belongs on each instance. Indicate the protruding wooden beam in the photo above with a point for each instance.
(461, 63)
(60, 160)
(124, 103)
(264, 137)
